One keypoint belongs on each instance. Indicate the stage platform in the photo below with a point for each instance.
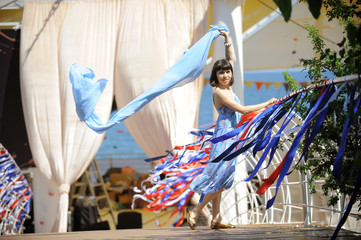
(255, 231)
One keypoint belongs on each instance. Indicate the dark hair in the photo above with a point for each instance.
(222, 64)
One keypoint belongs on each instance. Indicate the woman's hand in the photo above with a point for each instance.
(272, 100)
(227, 44)
(223, 33)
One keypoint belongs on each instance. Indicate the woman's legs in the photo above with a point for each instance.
(207, 198)
(216, 207)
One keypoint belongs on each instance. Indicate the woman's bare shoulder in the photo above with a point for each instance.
(221, 93)
(218, 92)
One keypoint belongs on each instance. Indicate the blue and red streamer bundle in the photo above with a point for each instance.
(253, 134)
(172, 176)
(15, 195)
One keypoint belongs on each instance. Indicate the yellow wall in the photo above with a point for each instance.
(254, 11)
(10, 15)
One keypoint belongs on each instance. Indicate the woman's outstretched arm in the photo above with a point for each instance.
(223, 99)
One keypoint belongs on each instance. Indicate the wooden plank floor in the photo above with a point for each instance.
(261, 231)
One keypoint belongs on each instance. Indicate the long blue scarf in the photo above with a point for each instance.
(86, 91)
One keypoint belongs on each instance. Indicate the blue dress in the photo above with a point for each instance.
(220, 175)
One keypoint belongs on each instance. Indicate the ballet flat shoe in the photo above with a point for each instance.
(215, 225)
(192, 225)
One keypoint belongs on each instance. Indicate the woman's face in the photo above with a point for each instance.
(224, 77)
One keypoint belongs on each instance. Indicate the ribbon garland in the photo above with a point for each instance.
(15, 195)
(253, 134)
(267, 84)
(172, 177)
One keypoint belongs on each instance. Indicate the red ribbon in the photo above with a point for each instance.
(271, 179)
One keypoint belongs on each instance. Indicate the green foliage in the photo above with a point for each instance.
(292, 84)
(315, 65)
(345, 61)
(341, 10)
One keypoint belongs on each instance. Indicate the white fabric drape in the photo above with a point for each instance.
(160, 32)
(134, 41)
(55, 35)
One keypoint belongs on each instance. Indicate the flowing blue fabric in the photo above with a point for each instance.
(86, 91)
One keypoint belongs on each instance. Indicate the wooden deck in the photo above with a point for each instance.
(262, 231)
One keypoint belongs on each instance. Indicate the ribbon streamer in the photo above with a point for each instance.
(252, 134)
(15, 195)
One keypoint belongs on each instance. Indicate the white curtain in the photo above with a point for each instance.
(153, 36)
(132, 41)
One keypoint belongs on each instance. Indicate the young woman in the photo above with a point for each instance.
(217, 177)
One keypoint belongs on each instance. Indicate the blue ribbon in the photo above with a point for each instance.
(157, 158)
(294, 146)
(229, 154)
(321, 118)
(349, 206)
(275, 139)
(337, 166)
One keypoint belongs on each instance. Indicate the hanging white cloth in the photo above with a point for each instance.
(152, 45)
(117, 39)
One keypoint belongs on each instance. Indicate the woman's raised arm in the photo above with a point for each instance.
(228, 47)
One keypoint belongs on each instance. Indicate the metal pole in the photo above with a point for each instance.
(348, 78)
(6, 4)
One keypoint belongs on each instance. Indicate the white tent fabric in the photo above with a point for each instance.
(52, 39)
(45, 203)
(152, 45)
(122, 40)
